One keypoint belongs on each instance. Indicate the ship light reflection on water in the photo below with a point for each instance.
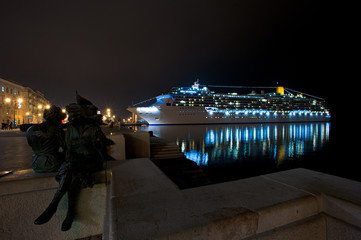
(257, 144)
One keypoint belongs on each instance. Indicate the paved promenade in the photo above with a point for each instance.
(14, 150)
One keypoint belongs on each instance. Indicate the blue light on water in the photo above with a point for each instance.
(226, 144)
(210, 137)
(197, 156)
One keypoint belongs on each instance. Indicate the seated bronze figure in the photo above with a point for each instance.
(85, 146)
(47, 141)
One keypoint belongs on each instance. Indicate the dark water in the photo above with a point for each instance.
(238, 151)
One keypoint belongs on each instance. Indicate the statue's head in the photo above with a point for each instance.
(54, 114)
(81, 111)
(76, 114)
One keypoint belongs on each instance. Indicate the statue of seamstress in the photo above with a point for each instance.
(47, 141)
(85, 145)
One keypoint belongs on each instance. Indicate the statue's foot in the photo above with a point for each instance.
(45, 216)
(67, 223)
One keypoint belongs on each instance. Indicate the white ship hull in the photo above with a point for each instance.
(167, 115)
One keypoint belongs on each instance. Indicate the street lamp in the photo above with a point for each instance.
(18, 101)
(7, 100)
(27, 116)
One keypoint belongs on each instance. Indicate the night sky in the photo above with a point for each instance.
(116, 53)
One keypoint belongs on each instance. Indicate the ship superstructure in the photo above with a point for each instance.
(199, 105)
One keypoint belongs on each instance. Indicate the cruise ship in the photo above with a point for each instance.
(200, 105)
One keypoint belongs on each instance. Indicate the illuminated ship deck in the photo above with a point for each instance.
(199, 105)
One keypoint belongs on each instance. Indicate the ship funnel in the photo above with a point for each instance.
(280, 90)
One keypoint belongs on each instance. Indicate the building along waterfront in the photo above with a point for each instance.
(20, 104)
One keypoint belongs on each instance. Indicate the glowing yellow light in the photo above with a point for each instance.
(63, 110)
(20, 100)
(280, 90)
(27, 113)
(40, 106)
(7, 100)
(47, 106)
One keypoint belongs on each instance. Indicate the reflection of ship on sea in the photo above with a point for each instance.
(247, 144)
(200, 105)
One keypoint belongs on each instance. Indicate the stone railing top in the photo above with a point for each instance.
(27, 180)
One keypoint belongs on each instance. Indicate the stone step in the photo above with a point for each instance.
(165, 144)
(164, 147)
(180, 154)
(165, 152)
(166, 156)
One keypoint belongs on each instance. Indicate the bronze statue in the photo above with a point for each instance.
(85, 146)
(47, 141)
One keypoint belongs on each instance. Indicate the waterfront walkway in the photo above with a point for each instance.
(15, 151)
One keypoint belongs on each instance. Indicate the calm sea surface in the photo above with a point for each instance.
(247, 149)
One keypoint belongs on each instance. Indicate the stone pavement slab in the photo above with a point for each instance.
(317, 183)
(146, 205)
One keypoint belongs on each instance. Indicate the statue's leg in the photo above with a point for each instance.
(63, 187)
(73, 194)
